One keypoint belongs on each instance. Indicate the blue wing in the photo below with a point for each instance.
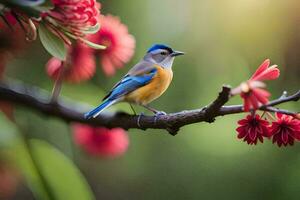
(130, 83)
(138, 76)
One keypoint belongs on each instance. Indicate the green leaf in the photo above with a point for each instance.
(24, 161)
(53, 44)
(62, 177)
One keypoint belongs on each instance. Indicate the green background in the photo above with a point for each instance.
(225, 41)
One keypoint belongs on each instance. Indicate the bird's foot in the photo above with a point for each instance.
(139, 119)
(157, 114)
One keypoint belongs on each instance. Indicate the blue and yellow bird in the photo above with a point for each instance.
(145, 82)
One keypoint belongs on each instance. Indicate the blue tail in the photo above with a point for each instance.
(95, 112)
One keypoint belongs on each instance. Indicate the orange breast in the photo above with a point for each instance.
(154, 89)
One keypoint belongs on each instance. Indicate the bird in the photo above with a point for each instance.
(144, 82)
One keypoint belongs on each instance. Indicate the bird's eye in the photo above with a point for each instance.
(163, 53)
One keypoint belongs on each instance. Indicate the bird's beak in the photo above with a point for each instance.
(177, 53)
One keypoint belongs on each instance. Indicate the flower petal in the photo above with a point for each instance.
(261, 69)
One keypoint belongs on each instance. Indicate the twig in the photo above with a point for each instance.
(57, 84)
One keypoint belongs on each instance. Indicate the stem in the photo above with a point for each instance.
(58, 84)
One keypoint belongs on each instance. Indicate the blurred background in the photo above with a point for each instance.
(225, 41)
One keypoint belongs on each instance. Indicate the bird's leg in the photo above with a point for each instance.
(132, 109)
(138, 120)
(156, 112)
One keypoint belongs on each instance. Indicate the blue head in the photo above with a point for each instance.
(162, 55)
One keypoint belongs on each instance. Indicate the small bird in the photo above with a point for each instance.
(145, 82)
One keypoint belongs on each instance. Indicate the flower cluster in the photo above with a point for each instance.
(80, 63)
(74, 18)
(77, 24)
(283, 130)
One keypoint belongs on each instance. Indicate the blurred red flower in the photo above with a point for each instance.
(10, 18)
(101, 141)
(285, 130)
(120, 44)
(251, 91)
(79, 65)
(77, 17)
(252, 129)
(12, 40)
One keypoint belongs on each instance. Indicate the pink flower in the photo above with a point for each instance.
(79, 65)
(285, 130)
(120, 44)
(252, 91)
(75, 17)
(101, 141)
(252, 129)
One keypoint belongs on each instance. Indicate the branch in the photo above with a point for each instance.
(38, 100)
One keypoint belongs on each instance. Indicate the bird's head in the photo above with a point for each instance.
(162, 55)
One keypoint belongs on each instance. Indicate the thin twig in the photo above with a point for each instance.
(57, 84)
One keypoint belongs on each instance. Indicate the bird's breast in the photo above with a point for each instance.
(154, 89)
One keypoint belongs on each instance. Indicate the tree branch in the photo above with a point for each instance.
(39, 100)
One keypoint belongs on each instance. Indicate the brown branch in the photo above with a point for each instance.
(38, 100)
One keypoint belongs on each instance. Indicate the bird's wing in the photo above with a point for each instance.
(138, 76)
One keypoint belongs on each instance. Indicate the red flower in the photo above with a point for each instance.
(101, 141)
(251, 91)
(76, 17)
(285, 130)
(79, 65)
(120, 44)
(252, 129)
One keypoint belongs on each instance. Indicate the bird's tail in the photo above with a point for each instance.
(95, 112)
